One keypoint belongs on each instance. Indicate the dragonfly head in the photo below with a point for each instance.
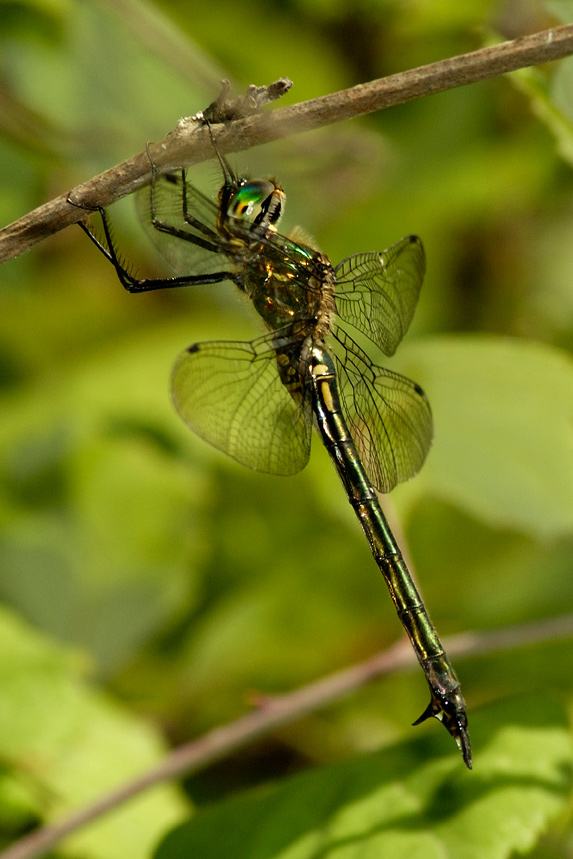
(254, 205)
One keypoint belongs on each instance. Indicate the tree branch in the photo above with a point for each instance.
(190, 142)
(276, 711)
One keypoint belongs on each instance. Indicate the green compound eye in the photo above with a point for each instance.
(256, 203)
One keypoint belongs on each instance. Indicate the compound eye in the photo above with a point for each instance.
(256, 203)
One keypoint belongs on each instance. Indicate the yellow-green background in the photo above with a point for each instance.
(148, 584)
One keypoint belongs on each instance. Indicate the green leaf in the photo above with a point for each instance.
(403, 802)
(503, 448)
(65, 745)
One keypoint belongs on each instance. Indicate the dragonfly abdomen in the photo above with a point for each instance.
(447, 703)
(362, 496)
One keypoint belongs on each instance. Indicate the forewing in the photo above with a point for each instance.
(230, 394)
(184, 255)
(376, 293)
(389, 416)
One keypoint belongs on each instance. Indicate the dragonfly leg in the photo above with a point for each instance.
(134, 284)
(163, 226)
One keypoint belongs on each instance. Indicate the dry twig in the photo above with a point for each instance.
(190, 142)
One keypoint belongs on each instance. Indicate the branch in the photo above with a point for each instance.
(190, 142)
(276, 711)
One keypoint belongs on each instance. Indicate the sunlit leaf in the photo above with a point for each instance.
(402, 803)
(65, 744)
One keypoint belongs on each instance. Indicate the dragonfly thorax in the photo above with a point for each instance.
(287, 281)
(294, 288)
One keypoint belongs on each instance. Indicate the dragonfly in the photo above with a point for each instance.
(259, 401)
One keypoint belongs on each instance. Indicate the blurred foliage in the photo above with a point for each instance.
(399, 802)
(147, 580)
(68, 743)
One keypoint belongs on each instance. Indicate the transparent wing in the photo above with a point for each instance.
(184, 256)
(376, 293)
(231, 394)
(389, 416)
